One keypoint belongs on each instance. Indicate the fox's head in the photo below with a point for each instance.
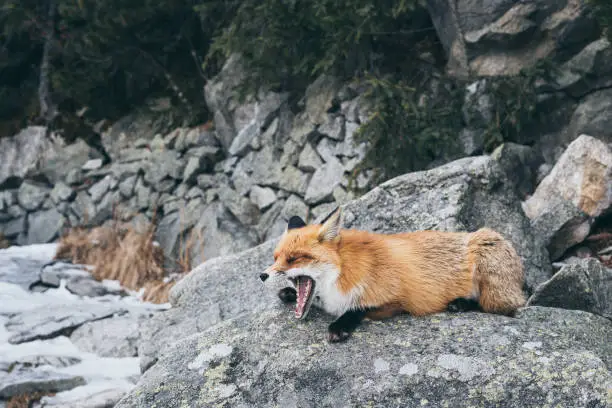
(308, 256)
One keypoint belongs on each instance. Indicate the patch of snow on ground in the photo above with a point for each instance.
(106, 377)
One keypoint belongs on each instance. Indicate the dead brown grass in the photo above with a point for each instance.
(26, 400)
(122, 252)
(4, 243)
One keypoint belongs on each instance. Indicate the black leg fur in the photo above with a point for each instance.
(341, 328)
(287, 295)
(464, 305)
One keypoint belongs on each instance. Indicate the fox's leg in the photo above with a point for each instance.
(287, 295)
(342, 327)
(464, 305)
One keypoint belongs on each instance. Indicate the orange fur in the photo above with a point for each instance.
(417, 272)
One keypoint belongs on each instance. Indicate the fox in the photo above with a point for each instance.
(355, 274)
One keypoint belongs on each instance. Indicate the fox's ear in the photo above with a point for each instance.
(330, 230)
(295, 222)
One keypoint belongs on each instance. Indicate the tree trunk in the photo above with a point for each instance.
(48, 111)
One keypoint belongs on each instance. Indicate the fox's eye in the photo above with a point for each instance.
(291, 259)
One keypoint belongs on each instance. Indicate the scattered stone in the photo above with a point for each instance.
(61, 192)
(324, 181)
(44, 226)
(591, 117)
(320, 98)
(98, 190)
(20, 154)
(31, 195)
(93, 164)
(263, 197)
(327, 149)
(206, 181)
(117, 337)
(333, 128)
(243, 209)
(309, 159)
(194, 192)
(126, 187)
(14, 227)
(294, 206)
(493, 355)
(521, 164)
(164, 163)
(84, 208)
(44, 322)
(572, 195)
(583, 284)
(21, 382)
(294, 181)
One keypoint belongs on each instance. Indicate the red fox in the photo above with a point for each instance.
(357, 274)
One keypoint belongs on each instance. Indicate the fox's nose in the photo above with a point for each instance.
(263, 277)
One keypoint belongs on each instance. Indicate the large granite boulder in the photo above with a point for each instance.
(573, 195)
(545, 356)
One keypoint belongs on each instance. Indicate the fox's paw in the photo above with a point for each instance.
(337, 334)
(460, 305)
(287, 295)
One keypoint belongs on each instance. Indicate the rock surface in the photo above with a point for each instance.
(21, 382)
(544, 356)
(585, 285)
(117, 337)
(43, 322)
(576, 192)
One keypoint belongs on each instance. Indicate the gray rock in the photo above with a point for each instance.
(309, 159)
(14, 226)
(88, 286)
(104, 210)
(30, 381)
(93, 164)
(194, 192)
(584, 285)
(324, 181)
(31, 195)
(321, 211)
(328, 149)
(448, 360)
(126, 187)
(263, 197)
(53, 274)
(84, 208)
(218, 233)
(59, 159)
(521, 164)
(294, 206)
(294, 181)
(351, 148)
(44, 322)
(61, 192)
(504, 37)
(591, 117)
(333, 127)
(98, 190)
(33, 361)
(44, 226)
(74, 176)
(320, 98)
(116, 337)
(206, 181)
(586, 70)
(143, 194)
(194, 138)
(201, 160)
(21, 153)
(164, 163)
(243, 209)
(572, 195)
(20, 271)
(472, 141)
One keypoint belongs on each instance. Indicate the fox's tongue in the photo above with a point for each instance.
(304, 292)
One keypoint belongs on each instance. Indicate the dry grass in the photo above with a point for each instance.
(4, 243)
(127, 254)
(26, 400)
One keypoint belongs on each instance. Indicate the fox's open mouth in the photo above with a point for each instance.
(304, 288)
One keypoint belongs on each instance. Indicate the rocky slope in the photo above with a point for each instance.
(228, 342)
(63, 333)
